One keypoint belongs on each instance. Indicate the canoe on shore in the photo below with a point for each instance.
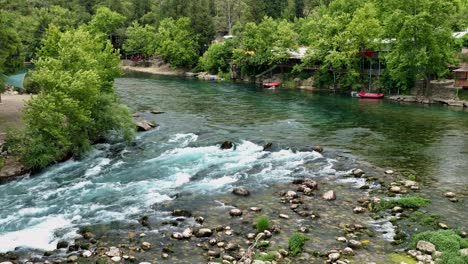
(271, 84)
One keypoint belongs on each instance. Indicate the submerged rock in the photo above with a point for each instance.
(235, 212)
(62, 244)
(358, 172)
(145, 125)
(204, 232)
(318, 149)
(241, 191)
(267, 146)
(113, 252)
(181, 212)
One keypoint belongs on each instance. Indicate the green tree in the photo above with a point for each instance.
(11, 57)
(216, 58)
(77, 104)
(177, 43)
(140, 40)
(106, 22)
(422, 46)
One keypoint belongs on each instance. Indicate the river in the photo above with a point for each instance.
(118, 183)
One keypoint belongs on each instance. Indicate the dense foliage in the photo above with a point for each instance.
(77, 104)
(447, 242)
(296, 242)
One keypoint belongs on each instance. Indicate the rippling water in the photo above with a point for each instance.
(119, 183)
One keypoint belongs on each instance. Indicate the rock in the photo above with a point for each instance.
(284, 216)
(177, 235)
(227, 145)
(72, 258)
(204, 232)
(397, 209)
(145, 245)
(443, 225)
(329, 196)
(395, 189)
(235, 212)
(182, 212)
(228, 258)
(165, 255)
(389, 172)
(116, 259)
(145, 263)
(267, 146)
(156, 112)
(334, 256)
(454, 200)
(359, 210)
(145, 126)
(257, 261)
(342, 239)
(200, 220)
(354, 244)
(348, 251)
(62, 244)
(357, 172)
(231, 246)
(213, 253)
(241, 191)
(220, 244)
(291, 195)
(310, 183)
(408, 183)
(413, 253)
(87, 254)
(318, 149)
(308, 191)
(425, 246)
(88, 235)
(188, 232)
(464, 252)
(255, 209)
(449, 194)
(228, 232)
(303, 229)
(6, 262)
(113, 252)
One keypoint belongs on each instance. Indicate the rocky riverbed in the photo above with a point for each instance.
(337, 213)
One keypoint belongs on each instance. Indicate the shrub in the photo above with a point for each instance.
(405, 202)
(296, 242)
(263, 223)
(444, 240)
(2, 163)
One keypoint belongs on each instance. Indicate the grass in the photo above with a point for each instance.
(399, 258)
(446, 241)
(413, 202)
(263, 223)
(2, 163)
(296, 242)
(270, 256)
(426, 220)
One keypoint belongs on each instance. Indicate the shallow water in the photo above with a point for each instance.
(181, 157)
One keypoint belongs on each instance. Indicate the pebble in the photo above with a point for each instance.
(359, 210)
(251, 235)
(235, 212)
(177, 235)
(291, 194)
(449, 194)
(354, 243)
(395, 189)
(255, 209)
(348, 251)
(220, 244)
(204, 232)
(145, 245)
(228, 232)
(397, 209)
(87, 254)
(334, 256)
(187, 233)
(200, 220)
(145, 263)
(342, 239)
(443, 225)
(389, 172)
(116, 259)
(165, 255)
(329, 196)
(113, 252)
(358, 172)
(284, 216)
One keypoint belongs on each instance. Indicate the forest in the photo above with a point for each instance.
(76, 47)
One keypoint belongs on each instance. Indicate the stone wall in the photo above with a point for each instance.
(444, 90)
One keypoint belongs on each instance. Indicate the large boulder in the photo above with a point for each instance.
(227, 145)
(329, 196)
(426, 246)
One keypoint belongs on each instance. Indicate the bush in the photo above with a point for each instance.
(2, 163)
(405, 202)
(215, 58)
(263, 223)
(270, 256)
(446, 241)
(296, 242)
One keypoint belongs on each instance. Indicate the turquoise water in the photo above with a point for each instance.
(120, 183)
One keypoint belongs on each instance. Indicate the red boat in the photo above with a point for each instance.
(271, 84)
(371, 95)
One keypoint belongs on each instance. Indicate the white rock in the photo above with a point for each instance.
(116, 259)
(258, 262)
(229, 233)
(255, 209)
(389, 172)
(358, 172)
(177, 235)
(284, 216)
(408, 183)
(145, 245)
(348, 251)
(425, 246)
(235, 212)
(291, 194)
(443, 225)
(395, 189)
(329, 196)
(113, 252)
(145, 263)
(334, 256)
(359, 209)
(342, 239)
(187, 233)
(449, 194)
(87, 254)
(464, 252)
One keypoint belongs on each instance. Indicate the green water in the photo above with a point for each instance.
(430, 142)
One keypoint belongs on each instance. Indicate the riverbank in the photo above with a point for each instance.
(10, 117)
(424, 100)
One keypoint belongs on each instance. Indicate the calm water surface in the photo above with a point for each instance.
(119, 183)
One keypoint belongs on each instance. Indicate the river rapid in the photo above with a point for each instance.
(117, 184)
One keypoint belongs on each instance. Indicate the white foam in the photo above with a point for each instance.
(40, 236)
(183, 139)
(98, 168)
